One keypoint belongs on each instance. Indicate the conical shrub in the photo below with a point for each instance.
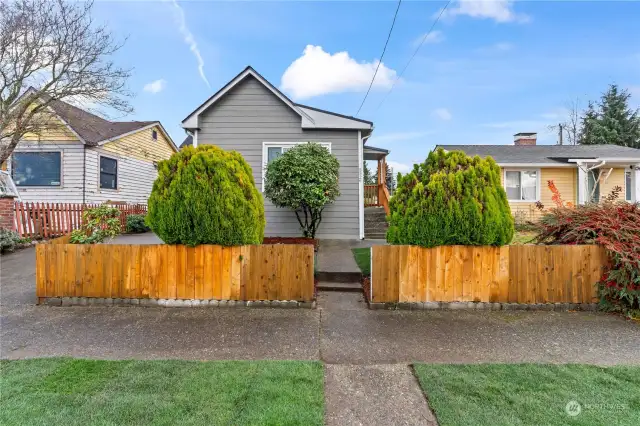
(206, 195)
(450, 199)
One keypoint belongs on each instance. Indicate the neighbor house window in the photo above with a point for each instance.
(593, 185)
(154, 135)
(36, 168)
(627, 186)
(521, 185)
(108, 173)
(273, 150)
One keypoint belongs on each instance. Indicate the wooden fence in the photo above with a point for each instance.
(261, 272)
(509, 274)
(46, 220)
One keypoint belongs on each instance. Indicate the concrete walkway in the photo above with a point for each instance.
(336, 255)
(340, 331)
(366, 353)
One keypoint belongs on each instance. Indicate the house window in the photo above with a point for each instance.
(627, 186)
(273, 150)
(154, 135)
(36, 168)
(521, 185)
(593, 186)
(108, 173)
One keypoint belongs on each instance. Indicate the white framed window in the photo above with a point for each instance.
(37, 168)
(628, 186)
(522, 185)
(273, 150)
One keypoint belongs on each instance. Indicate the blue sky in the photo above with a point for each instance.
(489, 70)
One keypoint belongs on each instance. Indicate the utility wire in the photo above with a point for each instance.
(384, 49)
(414, 54)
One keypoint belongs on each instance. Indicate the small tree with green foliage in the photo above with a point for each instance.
(98, 224)
(206, 195)
(450, 199)
(304, 179)
(369, 178)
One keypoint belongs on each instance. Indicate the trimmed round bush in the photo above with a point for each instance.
(136, 224)
(450, 199)
(206, 195)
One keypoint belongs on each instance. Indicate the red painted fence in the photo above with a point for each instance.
(46, 220)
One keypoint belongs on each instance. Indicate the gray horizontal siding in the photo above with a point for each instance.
(248, 116)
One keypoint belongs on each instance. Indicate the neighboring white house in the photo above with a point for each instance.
(86, 159)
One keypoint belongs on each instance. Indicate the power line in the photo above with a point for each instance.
(414, 54)
(384, 49)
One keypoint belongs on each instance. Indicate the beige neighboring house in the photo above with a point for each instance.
(580, 172)
(84, 158)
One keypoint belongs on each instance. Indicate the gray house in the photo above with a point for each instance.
(251, 116)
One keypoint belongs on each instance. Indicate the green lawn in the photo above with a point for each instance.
(64, 391)
(531, 394)
(363, 259)
(523, 237)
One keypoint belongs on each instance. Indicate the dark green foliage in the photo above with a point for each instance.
(304, 179)
(9, 240)
(369, 178)
(613, 122)
(451, 199)
(136, 224)
(98, 224)
(206, 195)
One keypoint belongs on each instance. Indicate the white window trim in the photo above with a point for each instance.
(117, 160)
(267, 145)
(28, 150)
(522, 169)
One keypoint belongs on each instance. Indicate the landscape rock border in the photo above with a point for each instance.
(175, 303)
(493, 306)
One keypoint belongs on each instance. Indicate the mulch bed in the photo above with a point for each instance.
(366, 287)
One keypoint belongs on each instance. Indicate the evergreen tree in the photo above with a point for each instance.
(589, 117)
(391, 179)
(369, 179)
(614, 122)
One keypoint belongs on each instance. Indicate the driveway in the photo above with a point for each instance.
(340, 331)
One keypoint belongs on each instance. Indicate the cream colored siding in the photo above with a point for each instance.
(57, 131)
(142, 146)
(70, 190)
(135, 178)
(616, 178)
(565, 179)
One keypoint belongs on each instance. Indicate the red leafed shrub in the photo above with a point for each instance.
(616, 227)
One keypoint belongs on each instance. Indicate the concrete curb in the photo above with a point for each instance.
(175, 303)
(430, 306)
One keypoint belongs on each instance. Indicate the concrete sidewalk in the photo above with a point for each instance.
(340, 331)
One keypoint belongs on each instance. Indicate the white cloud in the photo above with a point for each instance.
(318, 72)
(498, 10)
(396, 137)
(190, 40)
(434, 37)
(399, 167)
(443, 114)
(155, 86)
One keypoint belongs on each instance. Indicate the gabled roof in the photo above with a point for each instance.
(188, 141)
(312, 118)
(93, 130)
(547, 154)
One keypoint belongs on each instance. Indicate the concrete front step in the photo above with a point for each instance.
(337, 286)
(338, 277)
(375, 235)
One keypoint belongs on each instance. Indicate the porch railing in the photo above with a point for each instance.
(371, 196)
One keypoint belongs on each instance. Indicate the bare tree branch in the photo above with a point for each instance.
(53, 51)
(571, 125)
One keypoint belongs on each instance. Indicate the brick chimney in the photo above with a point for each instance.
(522, 139)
